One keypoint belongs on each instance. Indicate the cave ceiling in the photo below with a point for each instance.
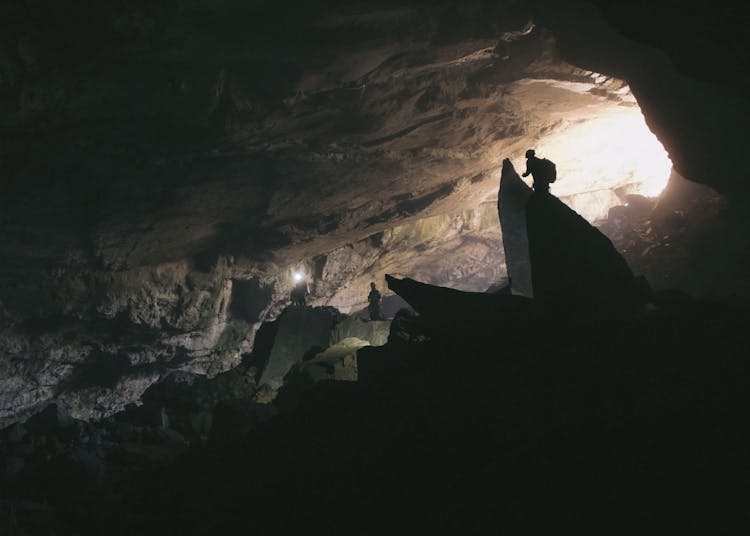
(155, 154)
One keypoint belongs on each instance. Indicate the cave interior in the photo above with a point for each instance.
(171, 171)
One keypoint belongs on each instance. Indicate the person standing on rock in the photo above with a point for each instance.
(543, 171)
(300, 291)
(373, 300)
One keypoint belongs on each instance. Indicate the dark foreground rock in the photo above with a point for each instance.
(572, 263)
(554, 255)
(578, 421)
(582, 420)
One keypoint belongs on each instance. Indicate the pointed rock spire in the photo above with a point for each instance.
(511, 207)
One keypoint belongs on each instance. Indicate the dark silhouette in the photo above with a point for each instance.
(573, 264)
(299, 293)
(555, 256)
(374, 299)
(431, 302)
(543, 171)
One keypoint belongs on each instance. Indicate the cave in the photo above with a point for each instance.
(173, 170)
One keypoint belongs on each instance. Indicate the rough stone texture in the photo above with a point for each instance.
(141, 333)
(700, 124)
(301, 329)
(337, 362)
(690, 238)
(166, 166)
(511, 207)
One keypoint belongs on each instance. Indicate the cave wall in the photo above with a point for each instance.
(167, 165)
(699, 121)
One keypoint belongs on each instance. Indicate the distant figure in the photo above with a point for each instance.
(543, 171)
(299, 293)
(374, 303)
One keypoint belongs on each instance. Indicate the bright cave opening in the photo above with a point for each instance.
(616, 147)
(603, 152)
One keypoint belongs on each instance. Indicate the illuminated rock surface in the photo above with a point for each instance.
(511, 207)
(491, 419)
(168, 166)
(166, 170)
(302, 333)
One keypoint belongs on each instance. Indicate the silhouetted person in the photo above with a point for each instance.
(542, 170)
(373, 300)
(299, 293)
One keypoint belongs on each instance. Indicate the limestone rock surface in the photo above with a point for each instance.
(301, 329)
(167, 166)
(511, 207)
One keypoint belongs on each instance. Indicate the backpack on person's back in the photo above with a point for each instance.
(547, 170)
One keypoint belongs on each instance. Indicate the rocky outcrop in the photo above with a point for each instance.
(689, 238)
(679, 109)
(459, 431)
(166, 168)
(147, 324)
(568, 262)
(375, 332)
(301, 329)
(511, 207)
(455, 310)
(337, 362)
(321, 342)
(572, 263)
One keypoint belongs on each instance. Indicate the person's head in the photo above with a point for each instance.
(372, 286)
(530, 153)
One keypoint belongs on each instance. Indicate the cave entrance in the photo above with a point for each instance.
(589, 124)
(603, 148)
(604, 159)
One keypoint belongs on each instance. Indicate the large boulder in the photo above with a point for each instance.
(374, 332)
(303, 334)
(572, 262)
(337, 362)
(300, 330)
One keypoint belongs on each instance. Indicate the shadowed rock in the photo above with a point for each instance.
(572, 263)
(450, 308)
(300, 329)
(552, 254)
(511, 207)
(365, 144)
(373, 332)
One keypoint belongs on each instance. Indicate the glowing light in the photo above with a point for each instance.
(298, 276)
(614, 150)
